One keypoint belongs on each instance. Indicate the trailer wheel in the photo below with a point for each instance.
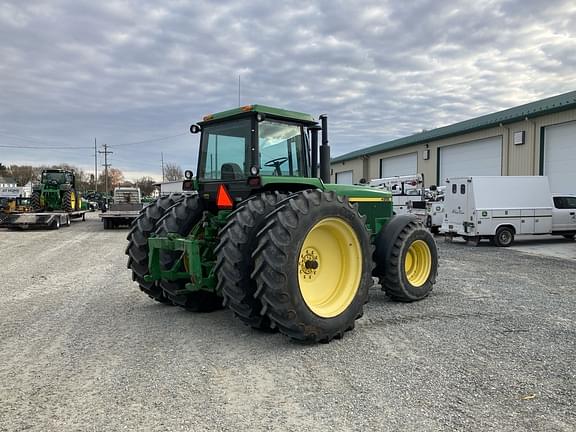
(234, 258)
(137, 249)
(504, 236)
(312, 266)
(181, 219)
(406, 259)
(55, 224)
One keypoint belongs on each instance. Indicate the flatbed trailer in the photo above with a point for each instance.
(52, 220)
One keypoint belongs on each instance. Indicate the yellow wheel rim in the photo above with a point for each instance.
(329, 267)
(73, 200)
(418, 263)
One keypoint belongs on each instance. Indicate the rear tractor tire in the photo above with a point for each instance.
(181, 219)
(234, 258)
(313, 265)
(36, 201)
(406, 259)
(137, 250)
(69, 201)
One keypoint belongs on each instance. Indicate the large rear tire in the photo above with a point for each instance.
(181, 219)
(69, 200)
(313, 266)
(406, 259)
(234, 263)
(137, 250)
(35, 201)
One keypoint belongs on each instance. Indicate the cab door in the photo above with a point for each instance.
(564, 213)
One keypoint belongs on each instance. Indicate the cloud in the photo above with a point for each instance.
(126, 71)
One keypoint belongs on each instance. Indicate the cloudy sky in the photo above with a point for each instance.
(136, 74)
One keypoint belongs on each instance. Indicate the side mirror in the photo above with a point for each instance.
(195, 129)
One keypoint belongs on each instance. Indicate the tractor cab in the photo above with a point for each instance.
(247, 148)
(57, 177)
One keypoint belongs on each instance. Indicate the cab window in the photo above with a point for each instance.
(565, 202)
(224, 151)
(280, 146)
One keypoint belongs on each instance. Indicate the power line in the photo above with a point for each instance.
(45, 147)
(150, 140)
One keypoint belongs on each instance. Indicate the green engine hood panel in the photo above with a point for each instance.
(359, 191)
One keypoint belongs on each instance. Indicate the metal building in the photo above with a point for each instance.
(537, 138)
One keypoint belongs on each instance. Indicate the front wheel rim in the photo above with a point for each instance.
(330, 267)
(418, 263)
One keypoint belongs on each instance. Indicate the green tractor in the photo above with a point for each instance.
(56, 191)
(262, 232)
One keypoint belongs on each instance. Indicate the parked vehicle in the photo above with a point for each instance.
(434, 197)
(270, 237)
(56, 191)
(406, 192)
(499, 208)
(125, 207)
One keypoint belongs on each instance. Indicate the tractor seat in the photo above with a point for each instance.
(231, 171)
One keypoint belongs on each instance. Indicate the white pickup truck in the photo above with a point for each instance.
(499, 208)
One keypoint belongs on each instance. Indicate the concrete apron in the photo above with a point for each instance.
(551, 246)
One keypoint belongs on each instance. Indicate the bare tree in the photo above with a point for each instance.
(146, 185)
(21, 173)
(173, 172)
(115, 179)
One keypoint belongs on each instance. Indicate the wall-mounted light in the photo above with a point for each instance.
(519, 137)
(426, 154)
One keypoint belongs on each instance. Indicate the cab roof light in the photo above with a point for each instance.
(247, 108)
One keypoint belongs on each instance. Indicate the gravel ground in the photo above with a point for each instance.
(493, 348)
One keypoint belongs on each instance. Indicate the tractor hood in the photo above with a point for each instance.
(363, 193)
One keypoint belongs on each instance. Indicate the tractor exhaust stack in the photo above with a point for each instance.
(324, 151)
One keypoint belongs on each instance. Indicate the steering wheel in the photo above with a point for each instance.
(276, 162)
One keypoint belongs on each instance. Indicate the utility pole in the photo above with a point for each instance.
(162, 157)
(95, 167)
(106, 152)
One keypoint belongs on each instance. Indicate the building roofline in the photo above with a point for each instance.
(539, 108)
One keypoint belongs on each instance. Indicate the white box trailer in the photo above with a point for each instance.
(499, 208)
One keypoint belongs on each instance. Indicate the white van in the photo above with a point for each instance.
(499, 208)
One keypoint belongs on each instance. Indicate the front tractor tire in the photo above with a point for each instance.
(234, 258)
(406, 259)
(181, 220)
(137, 250)
(313, 265)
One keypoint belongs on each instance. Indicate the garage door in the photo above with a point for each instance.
(560, 157)
(399, 165)
(344, 177)
(481, 157)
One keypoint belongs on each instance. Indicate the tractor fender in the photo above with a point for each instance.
(389, 231)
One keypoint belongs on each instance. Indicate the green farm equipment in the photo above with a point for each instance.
(261, 231)
(56, 191)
